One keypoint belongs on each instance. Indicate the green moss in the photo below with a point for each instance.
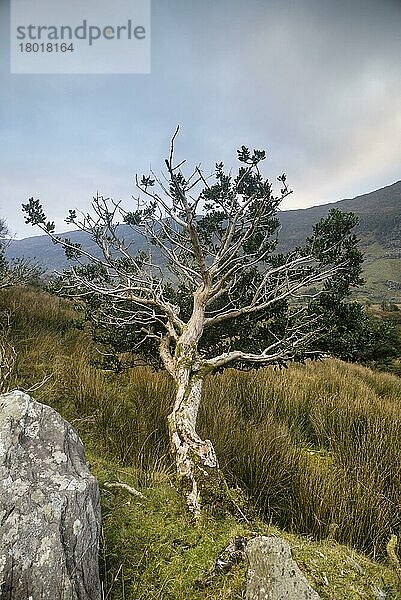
(152, 550)
(338, 573)
(278, 433)
(318, 458)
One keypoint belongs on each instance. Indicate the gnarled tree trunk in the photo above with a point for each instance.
(196, 460)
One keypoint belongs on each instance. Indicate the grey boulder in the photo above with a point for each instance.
(49, 506)
(273, 574)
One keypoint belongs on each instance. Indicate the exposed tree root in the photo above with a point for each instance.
(232, 555)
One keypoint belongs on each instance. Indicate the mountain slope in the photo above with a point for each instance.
(379, 218)
(379, 230)
(49, 255)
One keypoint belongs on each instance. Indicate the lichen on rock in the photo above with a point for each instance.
(49, 506)
(273, 574)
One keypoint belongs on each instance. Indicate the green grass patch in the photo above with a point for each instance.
(310, 446)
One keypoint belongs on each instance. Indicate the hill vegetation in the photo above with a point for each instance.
(317, 463)
(379, 231)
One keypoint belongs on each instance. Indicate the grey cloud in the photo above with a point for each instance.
(317, 82)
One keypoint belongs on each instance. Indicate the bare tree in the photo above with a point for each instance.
(207, 288)
(18, 271)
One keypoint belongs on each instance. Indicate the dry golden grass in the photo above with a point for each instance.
(311, 445)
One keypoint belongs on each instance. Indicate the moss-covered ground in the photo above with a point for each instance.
(312, 446)
(151, 549)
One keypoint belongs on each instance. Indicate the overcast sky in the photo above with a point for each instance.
(315, 82)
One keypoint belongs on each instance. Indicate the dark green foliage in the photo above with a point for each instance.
(261, 296)
(354, 335)
(334, 243)
(36, 215)
(254, 332)
(347, 330)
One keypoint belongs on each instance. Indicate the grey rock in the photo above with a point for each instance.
(49, 506)
(273, 574)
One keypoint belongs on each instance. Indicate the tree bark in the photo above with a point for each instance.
(196, 460)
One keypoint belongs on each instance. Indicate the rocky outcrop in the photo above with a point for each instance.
(273, 574)
(49, 506)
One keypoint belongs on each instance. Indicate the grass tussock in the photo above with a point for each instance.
(314, 445)
(311, 445)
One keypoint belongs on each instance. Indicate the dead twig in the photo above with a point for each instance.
(232, 555)
(124, 486)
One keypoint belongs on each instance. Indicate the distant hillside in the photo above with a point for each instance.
(379, 218)
(379, 230)
(49, 255)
